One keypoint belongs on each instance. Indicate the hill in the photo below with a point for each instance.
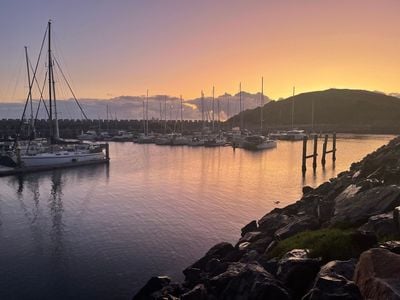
(341, 109)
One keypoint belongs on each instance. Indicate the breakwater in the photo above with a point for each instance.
(340, 239)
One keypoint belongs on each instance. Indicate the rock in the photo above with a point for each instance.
(298, 272)
(325, 210)
(243, 246)
(363, 240)
(219, 251)
(252, 226)
(246, 281)
(199, 292)
(381, 225)
(272, 222)
(354, 208)
(270, 265)
(334, 281)
(153, 285)
(296, 253)
(215, 267)
(392, 246)
(250, 257)
(296, 225)
(192, 275)
(396, 218)
(377, 274)
(250, 236)
(261, 245)
(307, 189)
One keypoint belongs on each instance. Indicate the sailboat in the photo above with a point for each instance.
(259, 142)
(54, 152)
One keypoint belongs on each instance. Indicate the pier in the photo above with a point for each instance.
(314, 155)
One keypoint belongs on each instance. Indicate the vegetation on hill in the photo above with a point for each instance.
(335, 107)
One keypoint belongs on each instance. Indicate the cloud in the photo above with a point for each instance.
(131, 107)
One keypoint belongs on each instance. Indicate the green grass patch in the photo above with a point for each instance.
(327, 243)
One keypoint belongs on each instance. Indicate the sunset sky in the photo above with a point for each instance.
(123, 47)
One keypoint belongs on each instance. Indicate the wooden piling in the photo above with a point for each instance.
(304, 161)
(315, 154)
(334, 147)
(323, 160)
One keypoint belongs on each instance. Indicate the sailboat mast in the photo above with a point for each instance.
(147, 112)
(144, 119)
(240, 106)
(181, 115)
(294, 91)
(30, 93)
(108, 125)
(213, 108)
(56, 129)
(261, 104)
(50, 80)
(165, 114)
(218, 113)
(202, 109)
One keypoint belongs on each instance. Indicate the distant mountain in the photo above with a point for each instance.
(334, 107)
(131, 107)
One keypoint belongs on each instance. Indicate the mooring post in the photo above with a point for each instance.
(315, 152)
(304, 167)
(323, 160)
(107, 151)
(334, 147)
(19, 162)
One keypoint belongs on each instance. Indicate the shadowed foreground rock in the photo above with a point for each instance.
(365, 200)
(334, 281)
(378, 274)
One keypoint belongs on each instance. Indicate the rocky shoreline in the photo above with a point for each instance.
(341, 240)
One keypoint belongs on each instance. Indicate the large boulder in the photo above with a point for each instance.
(393, 246)
(377, 274)
(354, 207)
(296, 225)
(297, 271)
(382, 225)
(252, 226)
(218, 251)
(246, 281)
(334, 281)
(153, 285)
(199, 292)
(272, 222)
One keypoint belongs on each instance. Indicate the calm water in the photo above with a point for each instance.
(100, 232)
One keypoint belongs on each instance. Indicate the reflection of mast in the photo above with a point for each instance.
(56, 211)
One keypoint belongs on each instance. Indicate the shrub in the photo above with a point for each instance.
(327, 243)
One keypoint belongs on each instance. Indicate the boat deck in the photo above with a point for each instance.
(6, 171)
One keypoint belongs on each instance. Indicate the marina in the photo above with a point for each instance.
(101, 231)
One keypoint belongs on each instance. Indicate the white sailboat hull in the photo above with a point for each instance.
(63, 158)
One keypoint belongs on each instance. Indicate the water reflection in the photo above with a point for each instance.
(99, 232)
